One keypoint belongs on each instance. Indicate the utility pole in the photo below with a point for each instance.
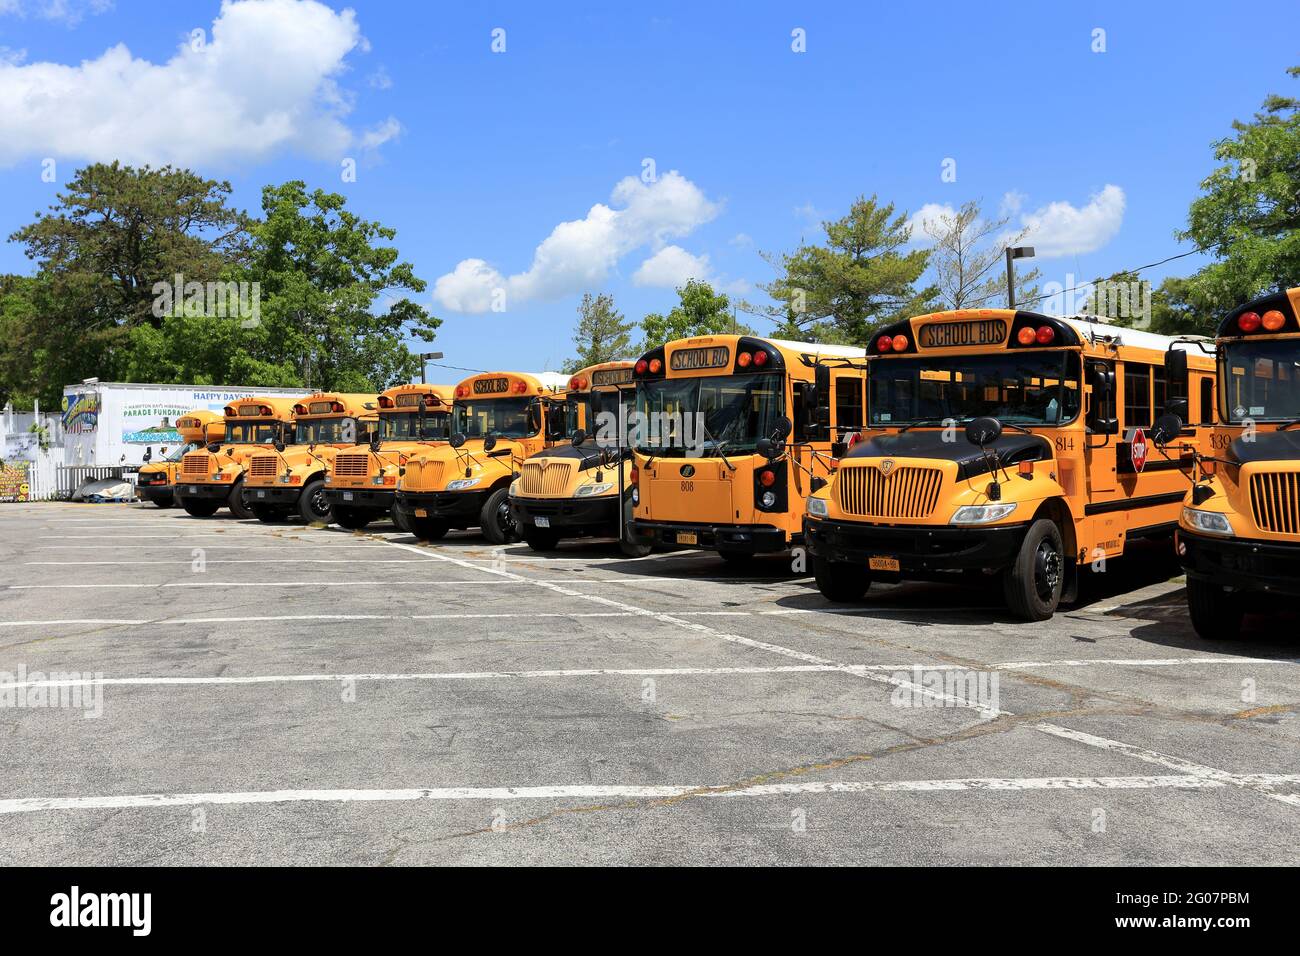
(1013, 253)
(426, 357)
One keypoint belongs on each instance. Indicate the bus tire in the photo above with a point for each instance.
(495, 519)
(267, 514)
(1216, 612)
(398, 521)
(541, 539)
(312, 503)
(200, 507)
(627, 545)
(740, 559)
(350, 519)
(236, 503)
(1033, 584)
(839, 580)
(427, 529)
(164, 501)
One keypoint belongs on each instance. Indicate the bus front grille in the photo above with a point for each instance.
(351, 466)
(903, 493)
(1275, 501)
(545, 479)
(195, 464)
(262, 466)
(429, 477)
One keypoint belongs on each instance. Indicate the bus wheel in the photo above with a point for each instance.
(541, 539)
(840, 581)
(398, 521)
(267, 514)
(740, 559)
(350, 518)
(1216, 612)
(236, 501)
(200, 507)
(626, 544)
(1033, 584)
(312, 503)
(165, 501)
(495, 519)
(428, 529)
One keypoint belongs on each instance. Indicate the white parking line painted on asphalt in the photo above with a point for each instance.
(84, 620)
(64, 564)
(292, 545)
(235, 584)
(637, 792)
(988, 713)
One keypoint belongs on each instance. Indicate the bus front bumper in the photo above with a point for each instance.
(594, 516)
(363, 499)
(154, 493)
(284, 495)
(210, 491)
(746, 538)
(1241, 564)
(458, 508)
(918, 549)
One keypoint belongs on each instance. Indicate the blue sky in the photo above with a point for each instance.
(479, 155)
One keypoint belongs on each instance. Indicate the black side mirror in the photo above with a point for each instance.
(1175, 366)
(1166, 429)
(579, 437)
(214, 447)
(279, 444)
(769, 448)
(817, 483)
(1102, 380)
(489, 442)
(375, 440)
(783, 428)
(983, 431)
(456, 440)
(148, 453)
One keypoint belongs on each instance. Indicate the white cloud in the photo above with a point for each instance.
(260, 81)
(930, 216)
(70, 12)
(671, 267)
(1012, 203)
(742, 240)
(380, 80)
(1060, 229)
(580, 253)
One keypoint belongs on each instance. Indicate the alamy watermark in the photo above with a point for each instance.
(59, 690)
(234, 300)
(946, 687)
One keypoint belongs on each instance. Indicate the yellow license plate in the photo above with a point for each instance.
(687, 537)
(421, 513)
(883, 564)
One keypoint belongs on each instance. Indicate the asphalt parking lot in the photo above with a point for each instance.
(283, 694)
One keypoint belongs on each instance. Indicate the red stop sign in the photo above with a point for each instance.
(1138, 450)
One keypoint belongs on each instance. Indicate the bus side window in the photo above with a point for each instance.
(801, 411)
(848, 402)
(1137, 395)
(1207, 400)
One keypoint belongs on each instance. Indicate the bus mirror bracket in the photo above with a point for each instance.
(579, 436)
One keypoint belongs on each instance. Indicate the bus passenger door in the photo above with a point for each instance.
(1103, 428)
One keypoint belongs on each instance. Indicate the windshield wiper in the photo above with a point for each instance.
(925, 421)
(717, 445)
(1283, 427)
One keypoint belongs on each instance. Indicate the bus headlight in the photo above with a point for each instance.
(636, 496)
(586, 491)
(983, 514)
(817, 507)
(460, 484)
(768, 499)
(1211, 522)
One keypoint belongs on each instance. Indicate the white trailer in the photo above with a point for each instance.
(110, 424)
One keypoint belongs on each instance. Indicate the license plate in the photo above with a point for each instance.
(883, 564)
(347, 496)
(194, 489)
(687, 537)
(542, 522)
(261, 494)
(421, 513)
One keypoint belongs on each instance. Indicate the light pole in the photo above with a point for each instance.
(1013, 253)
(426, 357)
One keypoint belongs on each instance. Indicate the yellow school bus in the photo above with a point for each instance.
(1007, 447)
(362, 486)
(1239, 533)
(214, 477)
(157, 479)
(289, 479)
(498, 420)
(574, 489)
(732, 433)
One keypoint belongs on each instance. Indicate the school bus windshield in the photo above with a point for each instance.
(320, 431)
(414, 426)
(252, 432)
(179, 452)
(1025, 388)
(1262, 380)
(503, 417)
(735, 411)
(602, 409)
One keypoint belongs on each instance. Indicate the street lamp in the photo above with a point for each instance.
(426, 357)
(1013, 253)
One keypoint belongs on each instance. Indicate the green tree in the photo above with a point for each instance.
(321, 270)
(601, 335)
(966, 253)
(859, 279)
(1249, 215)
(1175, 307)
(699, 311)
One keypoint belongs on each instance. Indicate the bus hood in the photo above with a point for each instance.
(1011, 448)
(1267, 446)
(432, 469)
